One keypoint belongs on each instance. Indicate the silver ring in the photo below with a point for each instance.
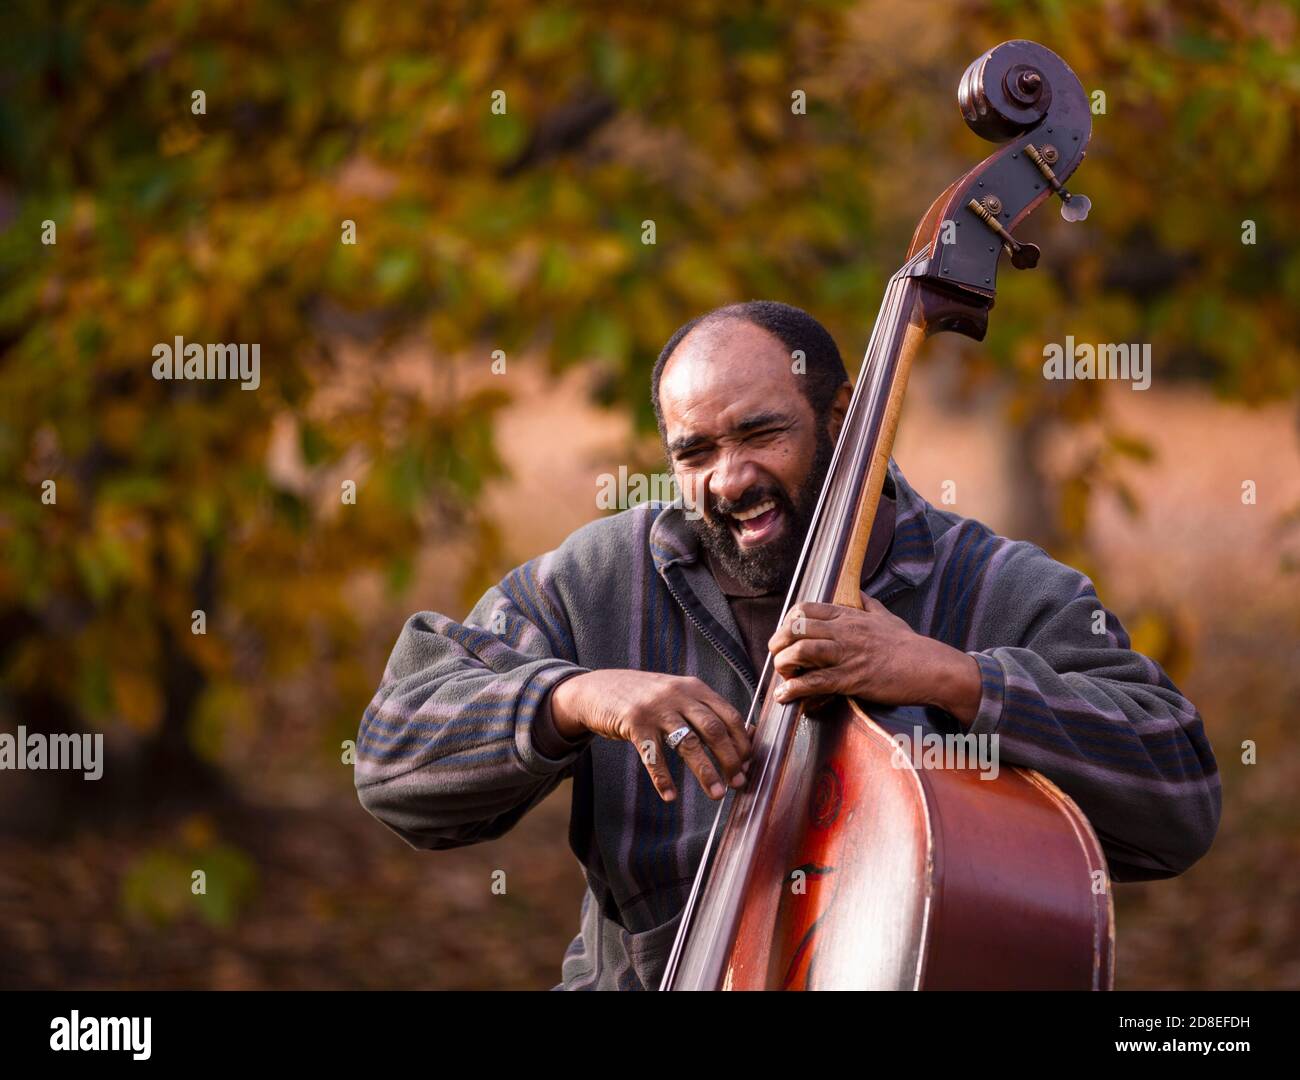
(675, 738)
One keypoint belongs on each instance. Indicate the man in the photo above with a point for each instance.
(656, 622)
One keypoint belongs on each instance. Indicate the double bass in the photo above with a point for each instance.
(840, 866)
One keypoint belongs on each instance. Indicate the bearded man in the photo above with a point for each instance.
(627, 658)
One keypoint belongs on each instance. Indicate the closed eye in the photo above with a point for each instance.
(749, 432)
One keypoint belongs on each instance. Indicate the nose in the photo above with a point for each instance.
(733, 476)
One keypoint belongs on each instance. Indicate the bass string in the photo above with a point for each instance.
(872, 383)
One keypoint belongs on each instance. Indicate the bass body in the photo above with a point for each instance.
(899, 877)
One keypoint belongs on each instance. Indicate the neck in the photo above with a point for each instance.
(831, 567)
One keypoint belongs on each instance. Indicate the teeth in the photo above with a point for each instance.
(761, 508)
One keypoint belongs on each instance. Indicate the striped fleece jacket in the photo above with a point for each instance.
(446, 754)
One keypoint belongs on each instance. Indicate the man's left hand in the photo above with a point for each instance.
(826, 649)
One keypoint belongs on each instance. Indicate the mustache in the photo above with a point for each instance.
(752, 498)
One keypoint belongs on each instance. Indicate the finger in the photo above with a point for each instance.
(807, 654)
(870, 603)
(651, 749)
(692, 752)
(820, 681)
(722, 708)
(811, 609)
(717, 739)
(796, 627)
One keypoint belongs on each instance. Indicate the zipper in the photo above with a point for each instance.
(741, 669)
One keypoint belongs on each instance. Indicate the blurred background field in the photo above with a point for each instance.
(523, 232)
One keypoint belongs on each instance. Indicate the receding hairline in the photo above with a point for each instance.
(797, 330)
(713, 326)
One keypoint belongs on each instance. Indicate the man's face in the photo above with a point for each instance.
(745, 448)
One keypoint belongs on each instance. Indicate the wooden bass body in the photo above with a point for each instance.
(897, 877)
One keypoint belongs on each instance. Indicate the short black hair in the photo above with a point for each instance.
(824, 371)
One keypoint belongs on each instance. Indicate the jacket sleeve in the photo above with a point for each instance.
(1069, 697)
(449, 751)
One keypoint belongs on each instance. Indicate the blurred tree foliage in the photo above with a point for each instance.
(479, 231)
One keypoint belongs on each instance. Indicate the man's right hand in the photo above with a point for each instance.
(644, 707)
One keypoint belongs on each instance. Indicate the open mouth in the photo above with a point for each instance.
(757, 524)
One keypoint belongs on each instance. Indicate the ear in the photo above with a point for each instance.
(839, 408)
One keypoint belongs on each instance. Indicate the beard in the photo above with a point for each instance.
(770, 566)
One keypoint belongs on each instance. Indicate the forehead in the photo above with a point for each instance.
(721, 373)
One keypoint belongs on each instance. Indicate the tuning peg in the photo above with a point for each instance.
(1023, 256)
(1073, 207)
